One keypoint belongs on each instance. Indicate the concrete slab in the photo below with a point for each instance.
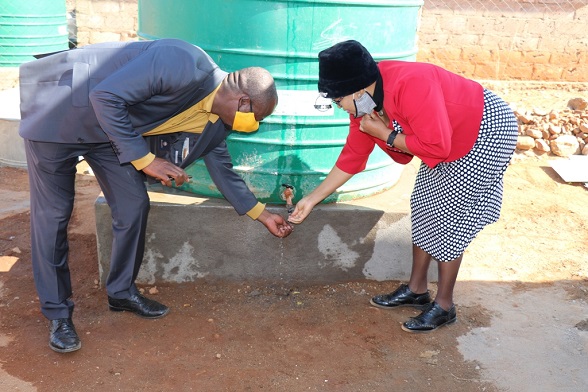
(190, 238)
(13, 202)
(573, 169)
(12, 152)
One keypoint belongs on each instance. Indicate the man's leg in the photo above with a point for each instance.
(51, 171)
(124, 189)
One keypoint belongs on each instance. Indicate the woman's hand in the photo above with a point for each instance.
(302, 210)
(334, 180)
(373, 125)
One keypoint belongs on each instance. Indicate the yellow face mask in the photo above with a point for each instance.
(245, 122)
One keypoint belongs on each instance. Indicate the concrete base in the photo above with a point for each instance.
(190, 238)
(12, 151)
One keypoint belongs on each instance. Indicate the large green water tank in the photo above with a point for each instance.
(30, 27)
(298, 144)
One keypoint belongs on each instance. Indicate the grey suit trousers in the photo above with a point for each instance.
(52, 171)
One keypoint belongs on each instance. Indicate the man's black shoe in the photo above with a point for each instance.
(139, 305)
(402, 296)
(63, 337)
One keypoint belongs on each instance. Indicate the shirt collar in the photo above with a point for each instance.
(207, 105)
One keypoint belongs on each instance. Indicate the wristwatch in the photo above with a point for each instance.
(391, 137)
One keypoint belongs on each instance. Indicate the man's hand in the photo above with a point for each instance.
(275, 224)
(165, 171)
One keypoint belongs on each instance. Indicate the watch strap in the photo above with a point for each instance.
(391, 137)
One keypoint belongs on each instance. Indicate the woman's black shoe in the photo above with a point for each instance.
(402, 296)
(63, 337)
(433, 317)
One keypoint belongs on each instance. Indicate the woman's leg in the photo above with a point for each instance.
(420, 268)
(415, 293)
(441, 311)
(447, 277)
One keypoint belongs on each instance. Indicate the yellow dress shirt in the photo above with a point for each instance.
(193, 120)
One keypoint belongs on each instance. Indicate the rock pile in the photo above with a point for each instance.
(562, 133)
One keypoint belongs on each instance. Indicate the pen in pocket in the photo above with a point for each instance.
(171, 178)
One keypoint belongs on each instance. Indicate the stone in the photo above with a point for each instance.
(542, 146)
(540, 112)
(553, 115)
(534, 133)
(565, 145)
(554, 129)
(523, 118)
(577, 104)
(585, 150)
(525, 143)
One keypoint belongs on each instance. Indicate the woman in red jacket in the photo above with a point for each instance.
(464, 135)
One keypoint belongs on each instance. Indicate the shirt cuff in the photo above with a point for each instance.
(142, 163)
(256, 211)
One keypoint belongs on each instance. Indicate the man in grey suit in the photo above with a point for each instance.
(101, 102)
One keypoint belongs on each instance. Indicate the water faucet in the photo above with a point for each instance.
(287, 195)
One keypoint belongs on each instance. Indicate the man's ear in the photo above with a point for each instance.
(245, 104)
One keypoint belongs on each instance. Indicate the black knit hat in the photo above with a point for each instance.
(345, 68)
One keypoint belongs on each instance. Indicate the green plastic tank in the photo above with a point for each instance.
(30, 27)
(299, 143)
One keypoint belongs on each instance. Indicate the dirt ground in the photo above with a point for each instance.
(522, 300)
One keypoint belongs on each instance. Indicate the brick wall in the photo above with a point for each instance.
(544, 40)
(507, 39)
(104, 20)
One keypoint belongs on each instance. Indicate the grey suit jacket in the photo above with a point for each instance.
(115, 92)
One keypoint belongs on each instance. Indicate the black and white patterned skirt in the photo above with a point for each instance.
(454, 201)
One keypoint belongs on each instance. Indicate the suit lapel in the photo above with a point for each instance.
(211, 137)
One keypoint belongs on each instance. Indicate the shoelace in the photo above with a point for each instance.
(66, 328)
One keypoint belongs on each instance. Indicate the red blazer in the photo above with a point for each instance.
(439, 111)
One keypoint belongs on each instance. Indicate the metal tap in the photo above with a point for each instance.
(287, 195)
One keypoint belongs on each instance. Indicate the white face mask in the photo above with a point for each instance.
(364, 104)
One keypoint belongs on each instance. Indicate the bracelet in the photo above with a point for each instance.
(391, 137)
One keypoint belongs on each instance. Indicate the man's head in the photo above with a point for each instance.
(248, 90)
